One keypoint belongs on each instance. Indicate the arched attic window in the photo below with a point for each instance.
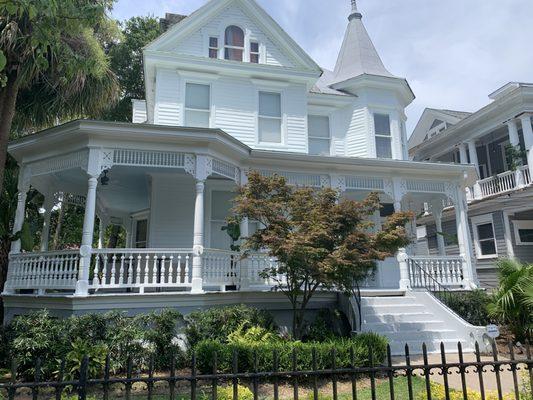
(234, 43)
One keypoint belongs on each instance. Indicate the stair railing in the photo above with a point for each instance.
(421, 279)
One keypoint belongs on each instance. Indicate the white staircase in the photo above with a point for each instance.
(415, 318)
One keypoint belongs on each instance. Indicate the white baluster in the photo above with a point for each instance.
(187, 278)
(121, 271)
(154, 271)
(138, 272)
(96, 277)
(130, 270)
(170, 279)
(162, 276)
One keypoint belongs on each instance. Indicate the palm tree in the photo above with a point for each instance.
(52, 63)
(512, 303)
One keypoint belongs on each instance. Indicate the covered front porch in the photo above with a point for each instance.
(171, 190)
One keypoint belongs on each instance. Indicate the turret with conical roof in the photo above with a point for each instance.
(357, 56)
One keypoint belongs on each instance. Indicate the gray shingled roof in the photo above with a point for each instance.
(358, 55)
(453, 113)
(322, 85)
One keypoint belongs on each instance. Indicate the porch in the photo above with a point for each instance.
(171, 190)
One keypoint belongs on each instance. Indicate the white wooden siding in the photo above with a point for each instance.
(195, 44)
(357, 133)
(139, 111)
(172, 212)
(295, 103)
(168, 107)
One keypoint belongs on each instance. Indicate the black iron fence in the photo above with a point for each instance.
(397, 378)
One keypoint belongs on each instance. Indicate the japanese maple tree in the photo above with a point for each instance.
(320, 239)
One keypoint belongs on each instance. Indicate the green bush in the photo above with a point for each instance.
(226, 393)
(39, 335)
(263, 353)
(328, 325)
(471, 306)
(219, 323)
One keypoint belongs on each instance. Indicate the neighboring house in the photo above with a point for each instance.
(228, 91)
(501, 201)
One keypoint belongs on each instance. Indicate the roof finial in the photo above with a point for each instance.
(355, 12)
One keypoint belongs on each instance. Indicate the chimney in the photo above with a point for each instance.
(170, 20)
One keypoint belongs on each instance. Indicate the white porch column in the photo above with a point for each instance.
(527, 129)
(464, 239)
(514, 140)
(102, 227)
(437, 215)
(462, 153)
(198, 241)
(23, 189)
(398, 193)
(45, 234)
(204, 168)
(472, 150)
(402, 257)
(82, 286)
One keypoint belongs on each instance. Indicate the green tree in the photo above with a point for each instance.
(52, 60)
(318, 238)
(511, 303)
(127, 62)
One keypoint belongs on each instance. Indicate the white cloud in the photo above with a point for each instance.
(454, 52)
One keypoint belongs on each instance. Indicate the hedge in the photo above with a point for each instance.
(263, 353)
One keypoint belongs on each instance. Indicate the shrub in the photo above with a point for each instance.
(249, 355)
(438, 393)
(471, 306)
(219, 323)
(96, 353)
(328, 325)
(226, 393)
(249, 335)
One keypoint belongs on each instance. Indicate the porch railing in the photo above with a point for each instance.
(426, 271)
(43, 271)
(503, 183)
(141, 268)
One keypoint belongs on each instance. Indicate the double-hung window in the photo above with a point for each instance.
(523, 232)
(254, 52)
(234, 43)
(484, 236)
(197, 105)
(269, 117)
(319, 135)
(213, 47)
(383, 136)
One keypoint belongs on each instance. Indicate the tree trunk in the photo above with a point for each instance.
(4, 262)
(8, 101)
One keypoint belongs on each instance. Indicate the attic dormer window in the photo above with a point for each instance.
(234, 43)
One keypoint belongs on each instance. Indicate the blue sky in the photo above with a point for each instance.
(453, 52)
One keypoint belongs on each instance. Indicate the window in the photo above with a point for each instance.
(319, 135)
(484, 236)
(213, 47)
(523, 232)
(141, 234)
(269, 117)
(254, 52)
(234, 43)
(383, 136)
(197, 109)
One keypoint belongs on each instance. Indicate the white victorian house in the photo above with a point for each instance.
(228, 91)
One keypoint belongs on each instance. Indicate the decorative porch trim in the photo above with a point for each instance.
(425, 186)
(364, 183)
(226, 169)
(65, 162)
(141, 158)
(70, 198)
(299, 179)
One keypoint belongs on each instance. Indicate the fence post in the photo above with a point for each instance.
(82, 384)
(402, 257)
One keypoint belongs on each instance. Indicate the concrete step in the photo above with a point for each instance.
(392, 308)
(371, 301)
(432, 325)
(398, 317)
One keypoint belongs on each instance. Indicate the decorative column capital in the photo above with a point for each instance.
(204, 167)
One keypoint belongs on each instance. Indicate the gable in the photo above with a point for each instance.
(196, 44)
(190, 37)
(436, 123)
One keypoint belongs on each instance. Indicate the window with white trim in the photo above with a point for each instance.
(269, 117)
(234, 43)
(484, 237)
(141, 233)
(319, 135)
(197, 105)
(382, 131)
(523, 231)
(254, 52)
(213, 47)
